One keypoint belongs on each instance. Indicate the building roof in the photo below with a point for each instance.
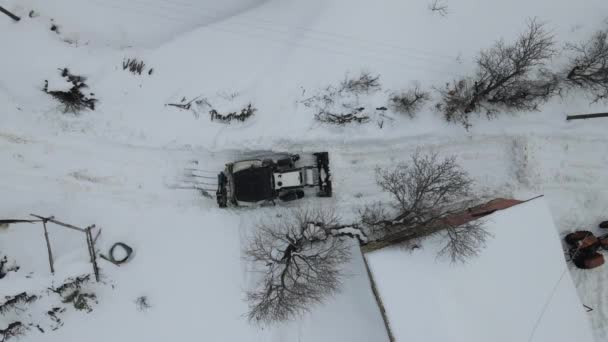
(517, 289)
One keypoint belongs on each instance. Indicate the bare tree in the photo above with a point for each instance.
(509, 77)
(409, 101)
(427, 192)
(301, 255)
(588, 68)
(426, 188)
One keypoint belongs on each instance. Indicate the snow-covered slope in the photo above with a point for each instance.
(111, 166)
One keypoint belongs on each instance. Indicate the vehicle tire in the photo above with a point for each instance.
(291, 195)
(326, 190)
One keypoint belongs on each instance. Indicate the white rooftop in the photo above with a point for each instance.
(518, 282)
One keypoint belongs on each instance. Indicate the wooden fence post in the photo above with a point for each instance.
(586, 116)
(92, 253)
(14, 17)
(48, 247)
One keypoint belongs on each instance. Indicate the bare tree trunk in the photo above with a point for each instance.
(11, 15)
(48, 247)
(92, 253)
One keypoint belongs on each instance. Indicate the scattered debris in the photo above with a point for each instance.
(142, 303)
(54, 316)
(439, 7)
(356, 115)
(134, 65)
(80, 300)
(183, 104)
(71, 284)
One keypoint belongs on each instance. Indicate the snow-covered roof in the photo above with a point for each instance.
(517, 289)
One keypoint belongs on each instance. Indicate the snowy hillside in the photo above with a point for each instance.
(114, 166)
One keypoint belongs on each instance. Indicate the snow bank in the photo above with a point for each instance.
(518, 289)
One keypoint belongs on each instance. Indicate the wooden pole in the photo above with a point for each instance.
(92, 252)
(87, 233)
(52, 219)
(586, 116)
(11, 15)
(48, 247)
(97, 236)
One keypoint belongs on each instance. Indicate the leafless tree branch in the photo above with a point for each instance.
(464, 241)
(427, 191)
(509, 77)
(301, 254)
(588, 68)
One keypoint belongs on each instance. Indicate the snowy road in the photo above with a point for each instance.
(137, 177)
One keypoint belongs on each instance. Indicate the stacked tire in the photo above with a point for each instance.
(584, 246)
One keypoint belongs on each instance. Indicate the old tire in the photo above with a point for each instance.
(574, 238)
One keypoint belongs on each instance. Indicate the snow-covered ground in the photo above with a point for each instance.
(112, 166)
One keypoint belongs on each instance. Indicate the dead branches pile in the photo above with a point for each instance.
(14, 329)
(73, 100)
(11, 302)
(135, 66)
(410, 101)
(71, 291)
(355, 115)
(340, 105)
(241, 116)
